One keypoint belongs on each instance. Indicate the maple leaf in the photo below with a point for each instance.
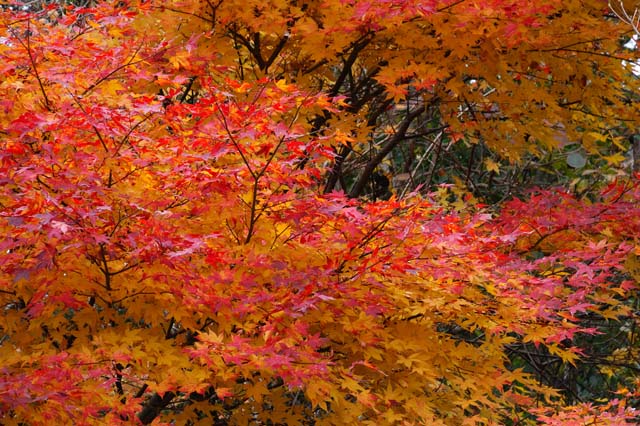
(492, 166)
(175, 247)
(224, 393)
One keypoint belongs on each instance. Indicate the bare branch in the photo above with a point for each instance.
(633, 20)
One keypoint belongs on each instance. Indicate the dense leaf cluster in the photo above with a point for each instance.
(290, 212)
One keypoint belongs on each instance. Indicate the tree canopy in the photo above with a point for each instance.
(282, 212)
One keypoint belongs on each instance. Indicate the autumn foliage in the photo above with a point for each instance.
(190, 235)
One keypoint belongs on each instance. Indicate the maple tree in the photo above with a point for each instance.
(418, 76)
(174, 249)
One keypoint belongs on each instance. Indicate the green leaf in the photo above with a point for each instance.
(576, 160)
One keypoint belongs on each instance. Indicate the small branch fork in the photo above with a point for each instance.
(256, 173)
(621, 13)
(26, 44)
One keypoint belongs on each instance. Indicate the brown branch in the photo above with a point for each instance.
(360, 184)
(105, 268)
(154, 405)
(276, 52)
(586, 52)
(27, 46)
(335, 174)
(95, 129)
(126, 137)
(254, 213)
(450, 6)
(195, 15)
(235, 143)
(256, 50)
(114, 71)
(357, 48)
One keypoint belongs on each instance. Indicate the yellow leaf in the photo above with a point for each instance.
(342, 138)
(564, 354)
(492, 166)
(94, 25)
(632, 266)
(180, 60)
(614, 159)
(257, 391)
(282, 85)
(223, 393)
(366, 398)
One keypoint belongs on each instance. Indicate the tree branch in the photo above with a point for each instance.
(154, 405)
(360, 184)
